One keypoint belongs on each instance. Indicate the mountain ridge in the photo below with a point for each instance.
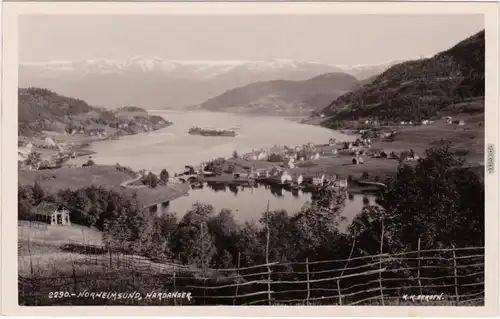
(418, 89)
(283, 97)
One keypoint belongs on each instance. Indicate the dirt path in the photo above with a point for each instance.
(130, 181)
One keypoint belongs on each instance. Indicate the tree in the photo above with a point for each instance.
(151, 180)
(33, 159)
(164, 176)
(192, 241)
(37, 193)
(224, 229)
(440, 200)
(235, 154)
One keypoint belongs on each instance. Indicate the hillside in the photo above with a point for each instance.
(283, 97)
(451, 81)
(43, 110)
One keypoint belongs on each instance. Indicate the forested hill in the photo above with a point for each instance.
(281, 97)
(452, 80)
(43, 110)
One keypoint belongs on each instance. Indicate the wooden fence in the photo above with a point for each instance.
(454, 275)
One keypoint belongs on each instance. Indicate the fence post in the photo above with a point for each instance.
(267, 256)
(418, 267)
(75, 282)
(237, 278)
(308, 283)
(455, 273)
(380, 263)
(342, 273)
(110, 258)
(31, 258)
(173, 279)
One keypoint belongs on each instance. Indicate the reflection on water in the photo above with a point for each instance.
(249, 202)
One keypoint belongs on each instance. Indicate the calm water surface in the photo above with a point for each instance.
(249, 203)
(173, 147)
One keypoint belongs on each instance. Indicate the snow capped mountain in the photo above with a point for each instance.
(158, 83)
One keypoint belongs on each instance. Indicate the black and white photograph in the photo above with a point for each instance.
(253, 159)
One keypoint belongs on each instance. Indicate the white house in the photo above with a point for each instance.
(425, 122)
(289, 163)
(341, 183)
(52, 213)
(283, 177)
(49, 142)
(297, 178)
(318, 180)
(262, 156)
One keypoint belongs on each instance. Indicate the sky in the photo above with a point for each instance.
(335, 39)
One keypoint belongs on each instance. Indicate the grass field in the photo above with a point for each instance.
(40, 246)
(469, 137)
(55, 180)
(107, 176)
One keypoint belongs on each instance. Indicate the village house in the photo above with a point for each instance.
(52, 213)
(341, 183)
(275, 171)
(263, 173)
(348, 145)
(297, 178)
(318, 180)
(425, 122)
(284, 177)
(358, 160)
(331, 142)
(289, 163)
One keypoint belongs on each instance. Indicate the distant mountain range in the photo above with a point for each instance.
(153, 83)
(451, 81)
(281, 97)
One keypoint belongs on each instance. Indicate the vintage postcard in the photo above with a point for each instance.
(187, 159)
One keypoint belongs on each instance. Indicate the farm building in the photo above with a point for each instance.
(52, 213)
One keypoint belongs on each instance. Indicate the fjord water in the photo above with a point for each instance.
(249, 203)
(173, 147)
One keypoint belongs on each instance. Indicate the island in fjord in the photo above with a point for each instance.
(210, 132)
